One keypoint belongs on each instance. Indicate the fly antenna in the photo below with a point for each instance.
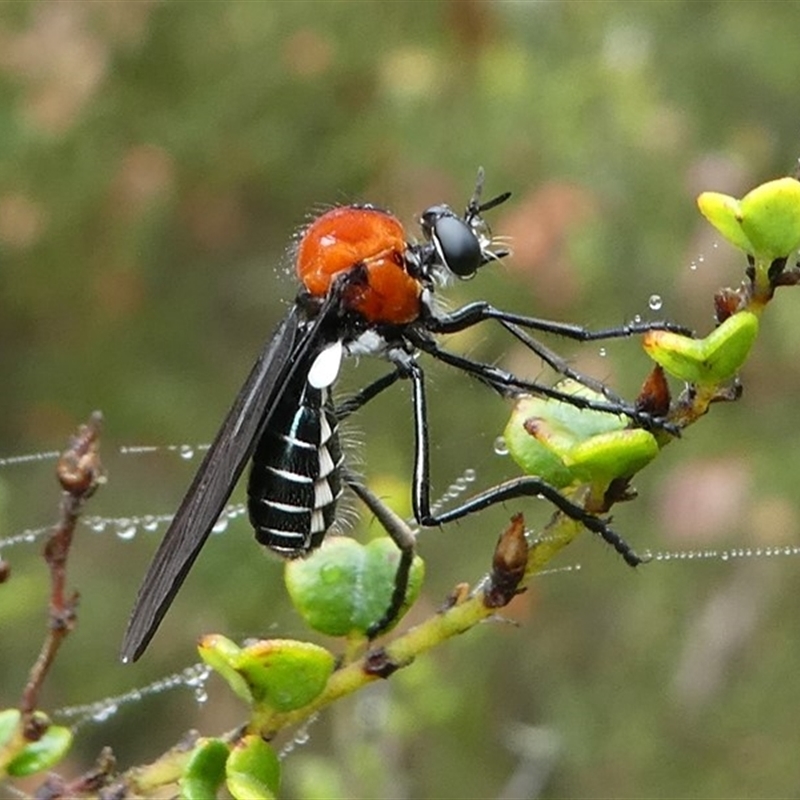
(494, 202)
(475, 207)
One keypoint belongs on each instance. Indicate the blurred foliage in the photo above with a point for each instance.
(155, 159)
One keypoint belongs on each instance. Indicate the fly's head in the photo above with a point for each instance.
(456, 245)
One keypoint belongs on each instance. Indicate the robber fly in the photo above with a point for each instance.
(365, 289)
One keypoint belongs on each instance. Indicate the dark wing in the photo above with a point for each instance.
(289, 349)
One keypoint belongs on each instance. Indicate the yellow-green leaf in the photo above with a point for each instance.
(712, 360)
(253, 771)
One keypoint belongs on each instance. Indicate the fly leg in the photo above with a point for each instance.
(351, 404)
(473, 313)
(508, 384)
(395, 526)
(519, 487)
(402, 536)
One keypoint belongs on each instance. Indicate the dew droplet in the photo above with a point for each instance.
(149, 522)
(286, 750)
(221, 525)
(186, 452)
(125, 532)
(104, 711)
(655, 302)
(97, 524)
(470, 475)
(500, 447)
(693, 266)
(301, 737)
(602, 352)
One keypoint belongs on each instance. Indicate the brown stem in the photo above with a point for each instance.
(80, 473)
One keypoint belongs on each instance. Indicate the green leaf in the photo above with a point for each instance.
(205, 770)
(285, 674)
(564, 445)
(345, 586)
(607, 456)
(42, 754)
(764, 223)
(725, 214)
(709, 361)
(282, 673)
(253, 771)
(771, 218)
(223, 655)
(535, 453)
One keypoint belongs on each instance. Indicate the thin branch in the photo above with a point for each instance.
(80, 473)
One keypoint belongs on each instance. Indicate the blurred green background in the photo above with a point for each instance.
(155, 160)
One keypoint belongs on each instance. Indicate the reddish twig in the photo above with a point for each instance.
(80, 473)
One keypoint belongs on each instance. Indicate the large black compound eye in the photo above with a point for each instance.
(456, 243)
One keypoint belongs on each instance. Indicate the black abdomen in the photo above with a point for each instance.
(295, 477)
